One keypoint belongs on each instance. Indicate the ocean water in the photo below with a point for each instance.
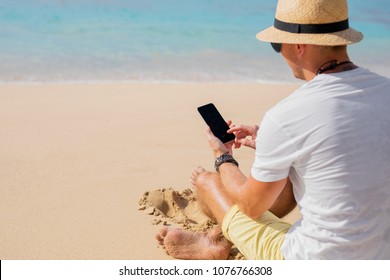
(161, 40)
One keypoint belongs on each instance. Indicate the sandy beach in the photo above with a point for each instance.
(76, 159)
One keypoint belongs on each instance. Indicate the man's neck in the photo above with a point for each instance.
(327, 65)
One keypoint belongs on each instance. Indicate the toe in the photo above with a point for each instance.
(195, 175)
(160, 236)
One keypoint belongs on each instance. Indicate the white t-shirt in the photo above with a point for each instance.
(332, 138)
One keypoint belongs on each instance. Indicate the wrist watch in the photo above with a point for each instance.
(222, 159)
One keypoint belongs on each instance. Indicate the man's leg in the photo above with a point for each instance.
(262, 238)
(184, 244)
(211, 193)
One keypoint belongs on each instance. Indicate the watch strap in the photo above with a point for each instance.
(226, 157)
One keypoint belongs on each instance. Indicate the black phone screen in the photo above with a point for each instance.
(216, 122)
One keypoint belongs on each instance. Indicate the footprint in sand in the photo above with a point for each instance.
(170, 206)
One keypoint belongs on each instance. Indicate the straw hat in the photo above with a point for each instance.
(317, 22)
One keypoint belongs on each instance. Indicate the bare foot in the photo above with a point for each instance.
(188, 245)
(198, 177)
(195, 175)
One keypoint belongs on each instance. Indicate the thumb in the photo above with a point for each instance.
(247, 143)
(209, 133)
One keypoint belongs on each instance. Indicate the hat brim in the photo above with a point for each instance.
(345, 37)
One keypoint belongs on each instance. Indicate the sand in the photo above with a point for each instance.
(75, 161)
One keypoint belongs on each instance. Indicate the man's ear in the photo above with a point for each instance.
(300, 49)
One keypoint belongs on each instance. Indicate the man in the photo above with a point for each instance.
(331, 138)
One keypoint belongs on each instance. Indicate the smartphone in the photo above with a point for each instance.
(216, 122)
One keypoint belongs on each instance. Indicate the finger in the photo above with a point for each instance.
(237, 145)
(248, 143)
(234, 128)
(229, 123)
(210, 135)
(208, 131)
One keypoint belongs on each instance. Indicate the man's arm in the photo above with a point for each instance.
(254, 197)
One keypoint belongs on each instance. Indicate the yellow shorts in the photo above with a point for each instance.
(259, 239)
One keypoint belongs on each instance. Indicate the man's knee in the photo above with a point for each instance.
(207, 181)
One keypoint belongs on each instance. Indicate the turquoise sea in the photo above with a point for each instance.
(161, 40)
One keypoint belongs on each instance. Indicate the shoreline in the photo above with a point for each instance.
(147, 82)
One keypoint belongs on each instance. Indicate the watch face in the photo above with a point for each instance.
(225, 157)
(222, 159)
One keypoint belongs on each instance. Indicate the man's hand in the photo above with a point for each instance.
(216, 145)
(243, 131)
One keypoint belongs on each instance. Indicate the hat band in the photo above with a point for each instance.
(311, 28)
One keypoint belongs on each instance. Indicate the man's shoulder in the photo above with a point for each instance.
(295, 102)
(315, 94)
